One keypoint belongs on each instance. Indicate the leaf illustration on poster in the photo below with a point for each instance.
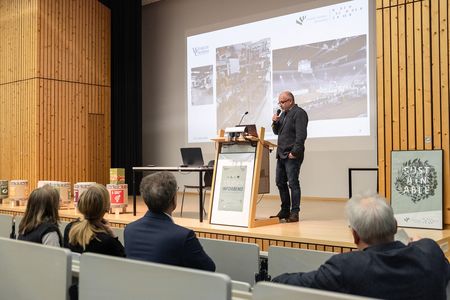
(417, 188)
(416, 179)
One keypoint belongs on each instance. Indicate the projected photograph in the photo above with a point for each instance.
(243, 82)
(201, 85)
(328, 79)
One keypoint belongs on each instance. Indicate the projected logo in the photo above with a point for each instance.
(300, 20)
(416, 179)
(200, 50)
(345, 11)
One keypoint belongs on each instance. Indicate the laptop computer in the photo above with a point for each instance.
(250, 129)
(192, 157)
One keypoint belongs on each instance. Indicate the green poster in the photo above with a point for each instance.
(416, 188)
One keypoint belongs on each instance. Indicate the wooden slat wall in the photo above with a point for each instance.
(18, 90)
(412, 83)
(19, 40)
(264, 244)
(55, 90)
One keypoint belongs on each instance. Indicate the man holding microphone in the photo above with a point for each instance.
(291, 128)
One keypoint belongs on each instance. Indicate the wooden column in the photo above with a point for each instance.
(55, 90)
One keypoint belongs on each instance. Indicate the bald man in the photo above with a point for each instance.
(291, 128)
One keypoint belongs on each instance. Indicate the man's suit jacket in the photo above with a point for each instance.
(292, 131)
(388, 271)
(156, 238)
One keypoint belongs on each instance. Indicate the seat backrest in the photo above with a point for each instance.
(448, 291)
(240, 261)
(5, 225)
(75, 264)
(107, 277)
(34, 271)
(285, 260)
(17, 220)
(207, 178)
(119, 233)
(62, 226)
(240, 286)
(269, 291)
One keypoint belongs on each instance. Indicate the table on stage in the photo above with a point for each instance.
(200, 171)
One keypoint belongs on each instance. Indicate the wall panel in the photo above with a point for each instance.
(19, 40)
(18, 122)
(55, 90)
(412, 83)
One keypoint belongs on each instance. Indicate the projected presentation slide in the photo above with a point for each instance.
(320, 55)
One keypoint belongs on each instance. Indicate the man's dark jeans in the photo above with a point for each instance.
(287, 172)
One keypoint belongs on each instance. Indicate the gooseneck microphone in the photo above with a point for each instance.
(242, 118)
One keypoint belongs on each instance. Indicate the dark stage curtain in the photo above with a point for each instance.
(126, 85)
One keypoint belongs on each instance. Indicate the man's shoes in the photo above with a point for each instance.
(282, 215)
(293, 217)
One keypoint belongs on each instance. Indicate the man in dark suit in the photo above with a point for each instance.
(383, 268)
(155, 237)
(291, 128)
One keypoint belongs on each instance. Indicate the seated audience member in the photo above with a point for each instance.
(92, 232)
(40, 221)
(155, 237)
(383, 268)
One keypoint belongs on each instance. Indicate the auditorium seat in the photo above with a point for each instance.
(5, 225)
(286, 260)
(119, 233)
(107, 277)
(62, 226)
(17, 220)
(240, 290)
(75, 264)
(240, 286)
(268, 291)
(238, 260)
(33, 271)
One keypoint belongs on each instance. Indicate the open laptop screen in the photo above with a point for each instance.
(192, 157)
(250, 129)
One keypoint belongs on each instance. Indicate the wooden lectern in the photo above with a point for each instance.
(241, 172)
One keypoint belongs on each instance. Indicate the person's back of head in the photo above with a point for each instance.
(93, 204)
(159, 192)
(42, 207)
(372, 219)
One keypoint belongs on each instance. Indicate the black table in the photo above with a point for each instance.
(200, 171)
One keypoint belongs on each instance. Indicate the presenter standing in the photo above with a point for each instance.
(291, 128)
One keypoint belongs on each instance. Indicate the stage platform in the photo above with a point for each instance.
(322, 225)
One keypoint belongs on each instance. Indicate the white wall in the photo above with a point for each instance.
(165, 26)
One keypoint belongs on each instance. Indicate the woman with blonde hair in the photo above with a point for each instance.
(40, 221)
(92, 232)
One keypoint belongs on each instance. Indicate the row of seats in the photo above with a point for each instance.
(240, 261)
(34, 271)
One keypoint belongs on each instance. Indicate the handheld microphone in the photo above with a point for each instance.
(242, 118)
(278, 113)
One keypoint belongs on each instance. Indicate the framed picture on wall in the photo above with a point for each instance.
(416, 188)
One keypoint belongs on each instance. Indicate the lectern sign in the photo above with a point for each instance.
(232, 195)
(417, 188)
(232, 188)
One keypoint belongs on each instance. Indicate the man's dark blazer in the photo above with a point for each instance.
(388, 271)
(291, 129)
(156, 238)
